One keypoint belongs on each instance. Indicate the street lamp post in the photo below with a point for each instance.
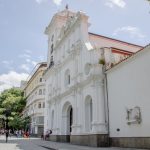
(7, 114)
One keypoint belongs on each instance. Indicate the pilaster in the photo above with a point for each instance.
(99, 124)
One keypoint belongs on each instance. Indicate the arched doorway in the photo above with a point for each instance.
(88, 113)
(67, 120)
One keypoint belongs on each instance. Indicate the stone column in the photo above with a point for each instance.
(64, 125)
(76, 127)
(99, 123)
(46, 116)
(57, 117)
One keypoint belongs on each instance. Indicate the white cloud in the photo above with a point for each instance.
(28, 60)
(5, 62)
(31, 62)
(109, 4)
(41, 58)
(4, 87)
(25, 67)
(39, 1)
(133, 32)
(8, 64)
(24, 56)
(57, 2)
(112, 3)
(12, 79)
(34, 63)
(28, 51)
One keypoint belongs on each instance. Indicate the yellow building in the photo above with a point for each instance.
(34, 91)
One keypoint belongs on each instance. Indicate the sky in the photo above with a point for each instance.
(22, 24)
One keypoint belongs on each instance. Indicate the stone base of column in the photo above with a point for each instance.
(131, 142)
(99, 128)
(59, 138)
(95, 140)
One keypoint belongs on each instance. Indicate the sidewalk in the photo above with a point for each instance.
(38, 144)
(66, 146)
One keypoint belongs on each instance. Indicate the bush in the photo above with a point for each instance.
(102, 61)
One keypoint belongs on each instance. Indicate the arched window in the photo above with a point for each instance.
(39, 105)
(88, 113)
(67, 77)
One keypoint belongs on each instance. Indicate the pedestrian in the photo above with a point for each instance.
(10, 133)
(17, 133)
(42, 136)
(7, 133)
(27, 134)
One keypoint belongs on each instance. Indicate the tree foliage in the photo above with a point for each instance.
(18, 122)
(14, 101)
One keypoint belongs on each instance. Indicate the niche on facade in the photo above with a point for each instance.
(134, 115)
(40, 91)
(52, 38)
(67, 77)
(39, 105)
(87, 68)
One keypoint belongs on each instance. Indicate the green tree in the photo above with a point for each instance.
(14, 101)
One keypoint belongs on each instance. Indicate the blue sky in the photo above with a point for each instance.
(22, 25)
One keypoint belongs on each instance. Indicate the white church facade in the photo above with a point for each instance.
(76, 100)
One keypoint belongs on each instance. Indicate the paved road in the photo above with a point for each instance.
(37, 144)
(20, 144)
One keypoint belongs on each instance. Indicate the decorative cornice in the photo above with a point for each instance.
(40, 84)
(76, 86)
(35, 100)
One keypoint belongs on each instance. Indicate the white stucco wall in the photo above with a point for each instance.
(128, 87)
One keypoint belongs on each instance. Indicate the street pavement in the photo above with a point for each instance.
(38, 144)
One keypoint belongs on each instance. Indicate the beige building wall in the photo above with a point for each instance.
(35, 93)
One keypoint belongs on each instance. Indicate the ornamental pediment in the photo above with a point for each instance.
(67, 27)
